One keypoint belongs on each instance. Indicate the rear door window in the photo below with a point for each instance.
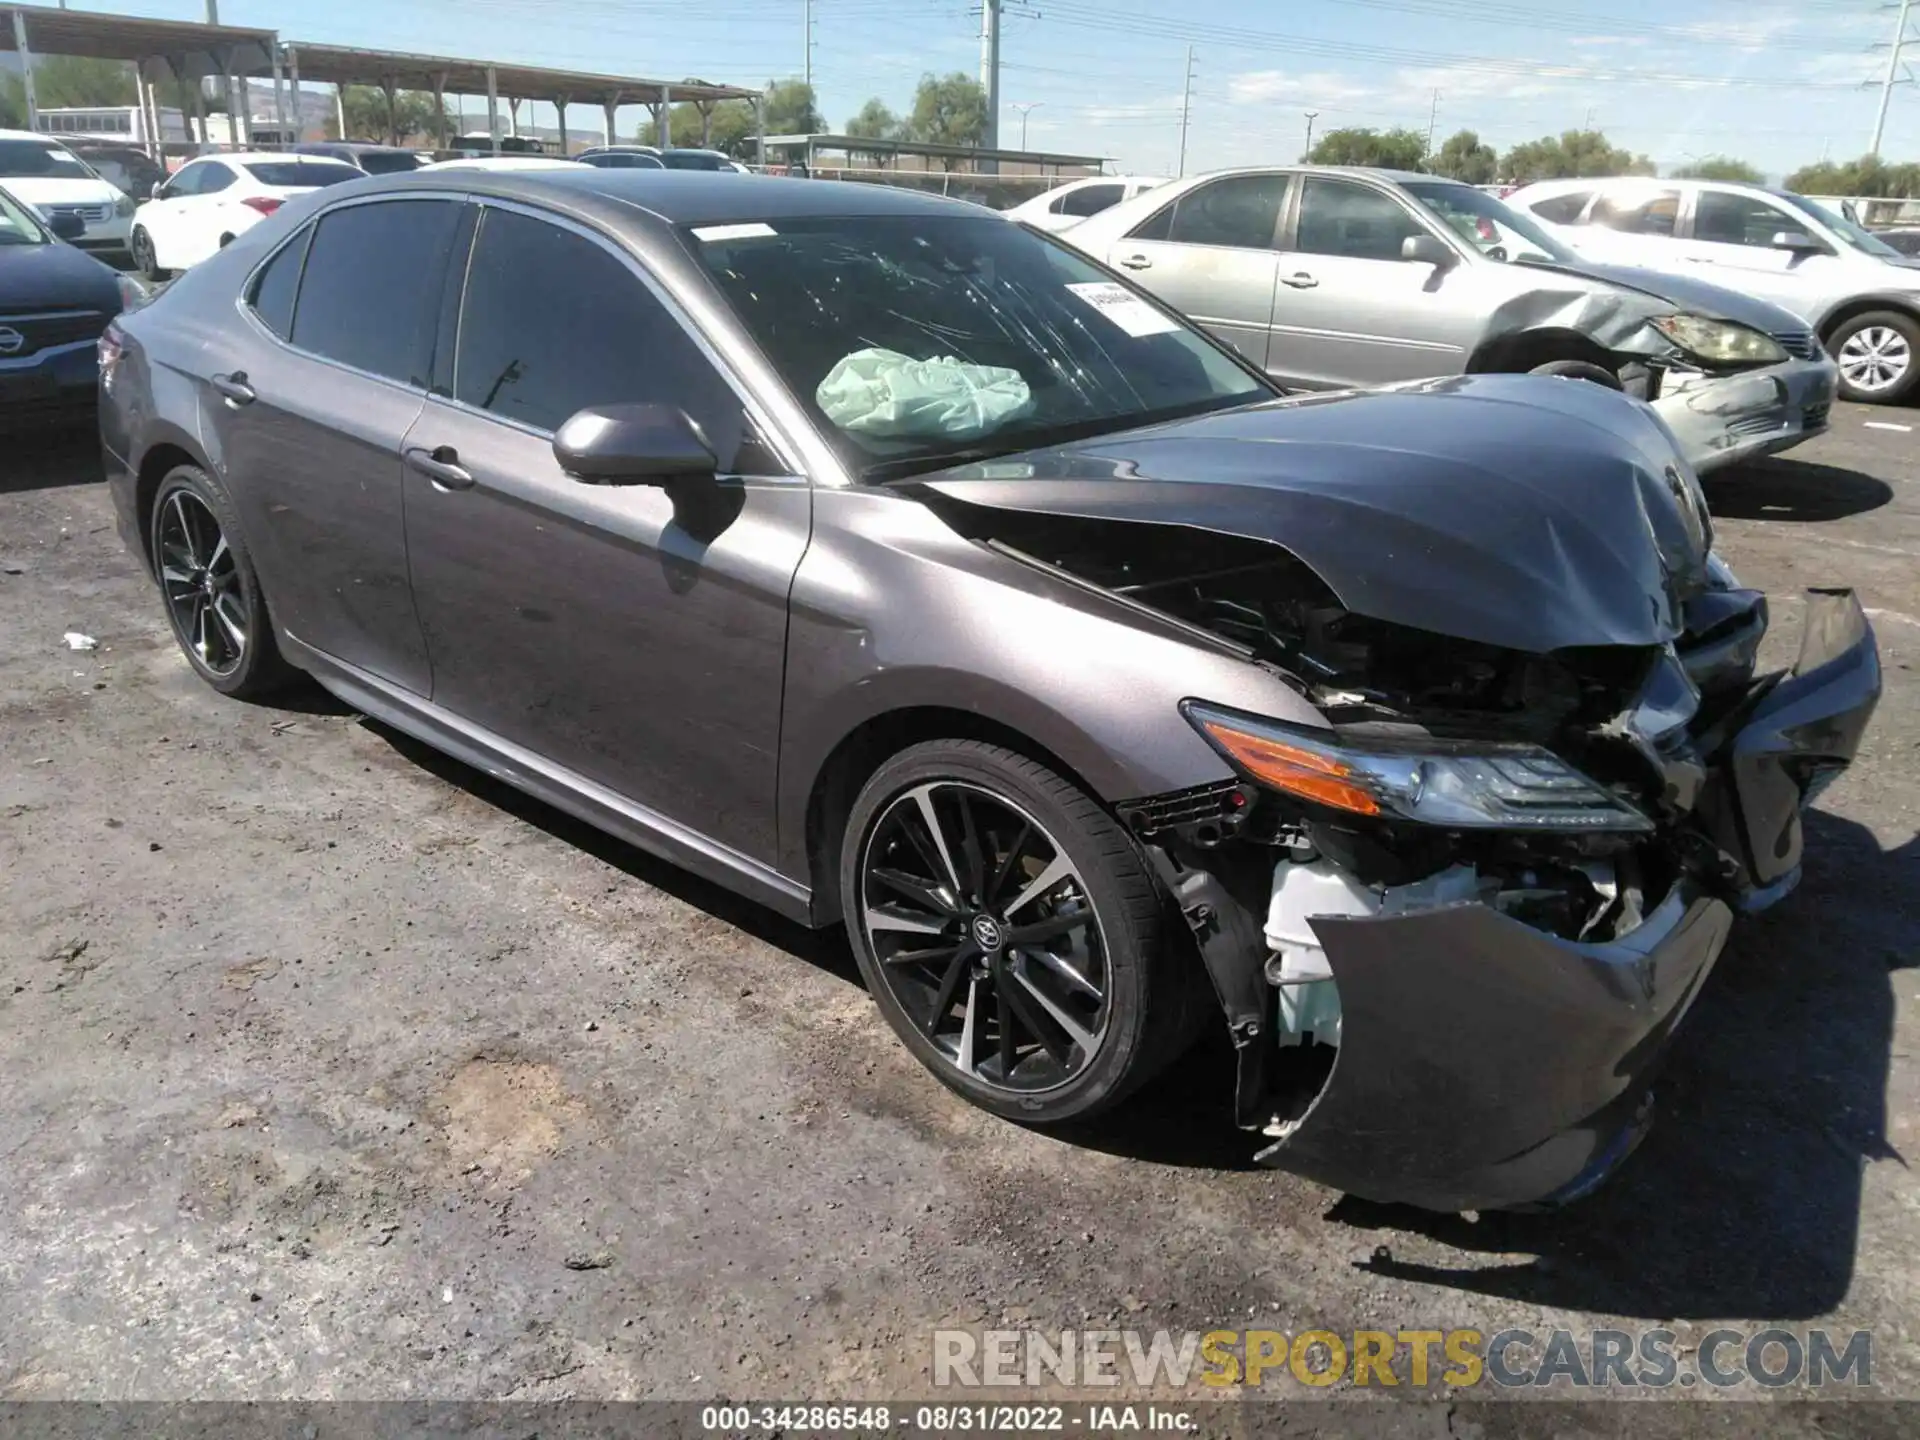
(1562, 209)
(1088, 200)
(214, 177)
(590, 333)
(1638, 212)
(1240, 212)
(370, 297)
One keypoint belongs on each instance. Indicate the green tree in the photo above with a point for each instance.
(413, 115)
(1574, 154)
(874, 122)
(728, 126)
(1464, 157)
(949, 110)
(1400, 149)
(60, 81)
(1868, 176)
(792, 109)
(1720, 167)
(13, 103)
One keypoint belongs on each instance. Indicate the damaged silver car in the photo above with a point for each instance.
(901, 568)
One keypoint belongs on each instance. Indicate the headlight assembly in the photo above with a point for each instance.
(1719, 342)
(124, 205)
(1454, 785)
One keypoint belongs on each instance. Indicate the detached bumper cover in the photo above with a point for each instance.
(1790, 738)
(1484, 1064)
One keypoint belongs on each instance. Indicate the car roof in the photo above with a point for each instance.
(357, 147)
(261, 157)
(680, 197)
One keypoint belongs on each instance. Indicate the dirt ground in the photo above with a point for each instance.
(333, 1069)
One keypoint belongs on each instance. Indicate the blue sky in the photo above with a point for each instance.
(1778, 82)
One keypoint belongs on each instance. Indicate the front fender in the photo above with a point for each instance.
(892, 610)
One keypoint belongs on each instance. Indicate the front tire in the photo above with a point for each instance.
(1579, 370)
(140, 246)
(1877, 354)
(210, 588)
(1010, 932)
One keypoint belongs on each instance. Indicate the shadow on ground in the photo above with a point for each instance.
(1792, 490)
(48, 459)
(1744, 1201)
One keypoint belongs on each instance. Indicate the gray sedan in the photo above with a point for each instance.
(1336, 277)
(900, 568)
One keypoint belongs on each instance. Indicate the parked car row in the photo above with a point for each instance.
(933, 579)
(1330, 277)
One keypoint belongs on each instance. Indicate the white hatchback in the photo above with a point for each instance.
(210, 200)
(43, 173)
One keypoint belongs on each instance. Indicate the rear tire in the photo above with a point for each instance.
(210, 588)
(140, 246)
(1879, 357)
(1579, 370)
(1038, 1038)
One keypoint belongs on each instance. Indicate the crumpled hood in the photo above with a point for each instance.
(1699, 297)
(54, 277)
(1520, 511)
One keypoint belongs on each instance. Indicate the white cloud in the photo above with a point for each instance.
(1309, 88)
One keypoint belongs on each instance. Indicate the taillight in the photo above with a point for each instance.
(265, 204)
(110, 348)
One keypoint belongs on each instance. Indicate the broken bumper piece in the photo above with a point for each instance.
(1484, 1064)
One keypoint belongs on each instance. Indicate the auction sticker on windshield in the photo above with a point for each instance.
(754, 231)
(1128, 311)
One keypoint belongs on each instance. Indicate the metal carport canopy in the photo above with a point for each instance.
(342, 65)
(191, 48)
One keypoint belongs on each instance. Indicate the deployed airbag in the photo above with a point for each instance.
(884, 393)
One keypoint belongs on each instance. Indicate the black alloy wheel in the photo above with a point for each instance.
(212, 595)
(982, 926)
(1010, 932)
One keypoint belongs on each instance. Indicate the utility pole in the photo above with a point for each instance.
(1312, 115)
(990, 68)
(1025, 110)
(806, 69)
(1893, 71)
(233, 108)
(1186, 114)
(1433, 118)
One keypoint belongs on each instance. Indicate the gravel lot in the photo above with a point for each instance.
(335, 1070)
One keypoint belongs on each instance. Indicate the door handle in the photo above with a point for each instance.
(1299, 280)
(1136, 262)
(234, 387)
(441, 466)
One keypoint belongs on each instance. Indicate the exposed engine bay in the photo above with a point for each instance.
(1610, 819)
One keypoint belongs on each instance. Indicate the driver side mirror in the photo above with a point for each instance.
(1428, 250)
(1797, 242)
(633, 444)
(66, 224)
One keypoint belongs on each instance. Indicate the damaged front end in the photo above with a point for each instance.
(1453, 929)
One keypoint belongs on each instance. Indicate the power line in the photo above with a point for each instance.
(1089, 17)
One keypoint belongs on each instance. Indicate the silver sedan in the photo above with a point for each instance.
(1330, 278)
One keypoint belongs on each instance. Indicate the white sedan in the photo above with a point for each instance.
(210, 200)
(1067, 205)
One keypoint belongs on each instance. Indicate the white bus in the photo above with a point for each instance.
(111, 124)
